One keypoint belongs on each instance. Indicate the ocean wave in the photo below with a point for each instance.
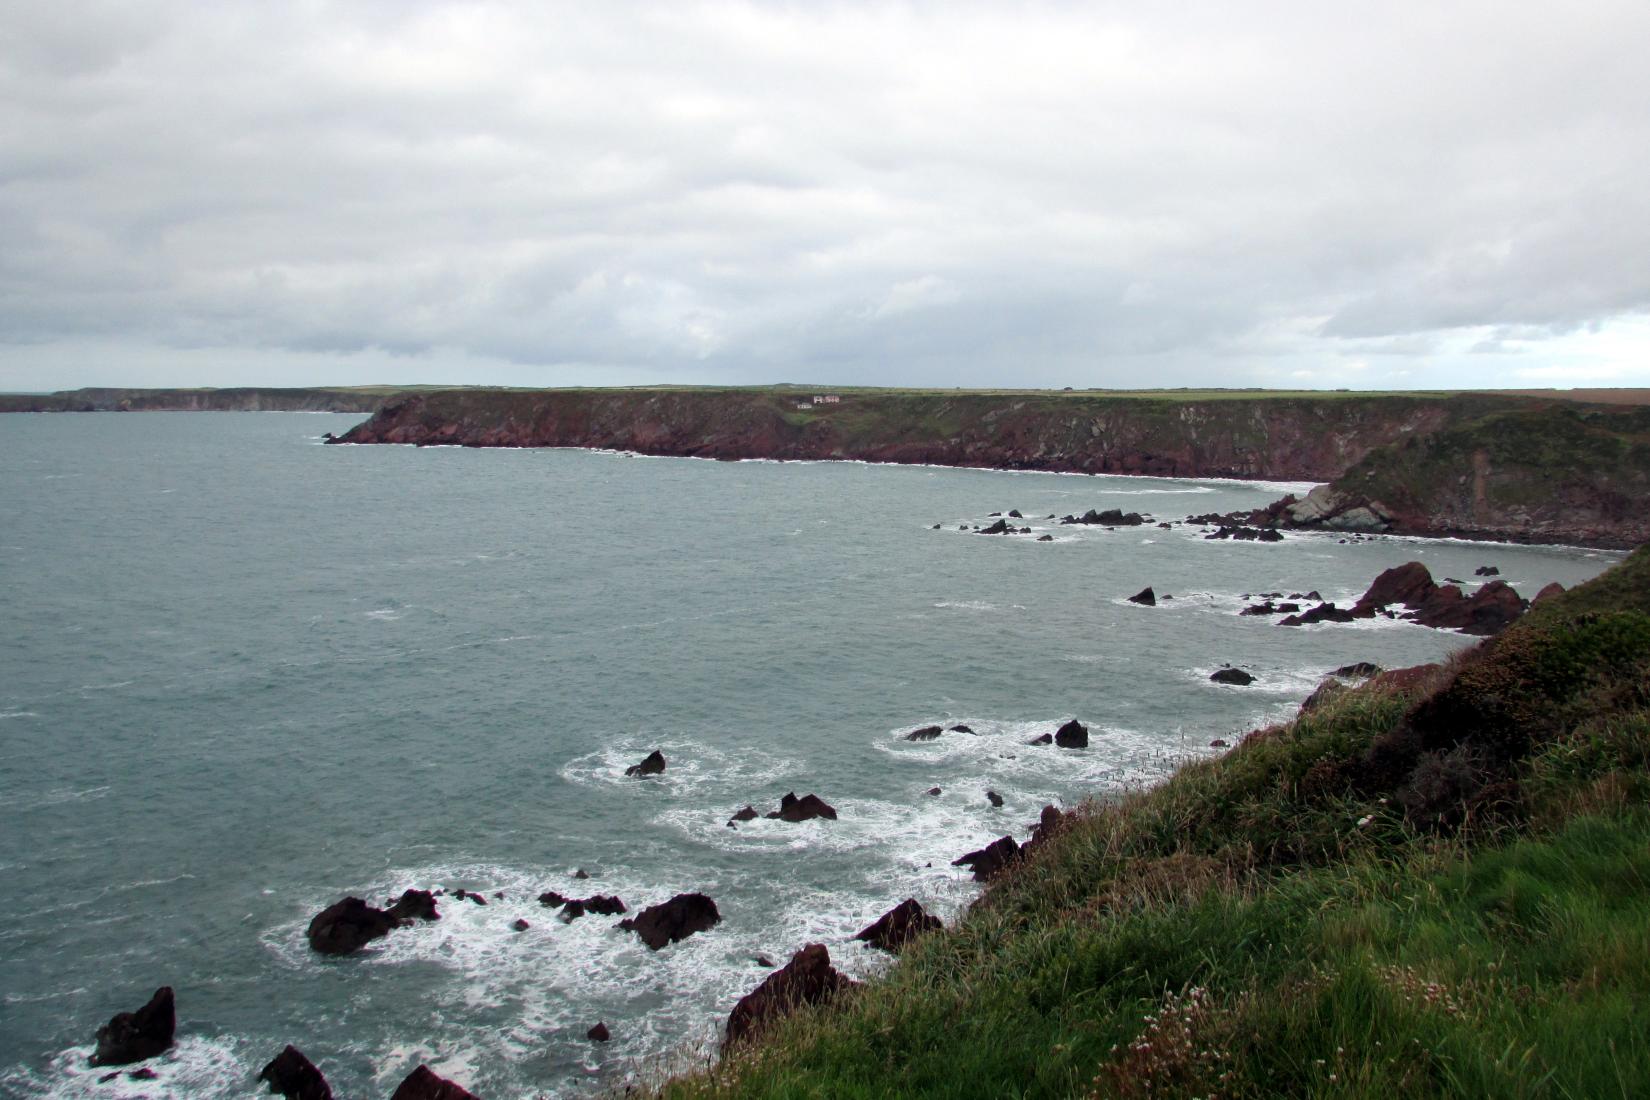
(197, 1066)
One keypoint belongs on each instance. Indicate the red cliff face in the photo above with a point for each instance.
(1277, 438)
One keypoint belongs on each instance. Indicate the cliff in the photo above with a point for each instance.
(1272, 437)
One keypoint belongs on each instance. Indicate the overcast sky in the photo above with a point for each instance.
(1314, 194)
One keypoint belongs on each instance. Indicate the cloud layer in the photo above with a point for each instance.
(951, 194)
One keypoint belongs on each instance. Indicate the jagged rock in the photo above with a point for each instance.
(421, 1084)
(1014, 513)
(462, 894)
(413, 905)
(347, 926)
(1267, 608)
(295, 1077)
(654, 764)
(936, 527)
(806, 808)
(1232, 676)
(1409, 584)
(1547, 592)
(1358, 670)
(1145, 597)
(674, 920)
(989, 862)
(1049, 822)
(998, 528)
(1219, 743)
(1111, 517)
(599, 1033)
(893, 928)
(961, 729)
(808, 979)
(1045, 739)
(1072, 735)
(763, 960)
(1486, 571)
(1323, 613)
(1325, 691)
(133, 1036)
(927, 733)
(550, 899)
(1487, 611)
(934, 791)
(747, 814)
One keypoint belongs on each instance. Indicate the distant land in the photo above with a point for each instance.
(1537, 466)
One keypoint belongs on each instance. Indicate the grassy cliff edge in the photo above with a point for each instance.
(1437, 884)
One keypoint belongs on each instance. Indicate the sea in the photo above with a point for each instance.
(244, 675)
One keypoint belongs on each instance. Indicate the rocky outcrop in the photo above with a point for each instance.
(413, 905)
(599, 1033)
(295, 1077)
(1072, 735)
(1233, 676)
(899, 924)
(1111, 517)
(1145, 597)
(808, 979)
(133, 1036)
(652, 764)
(926, 733)
(992, 860)
(1487, 611)
(674, 920)
(421, 1084)
(806, 808)
(747, 814)
(347, 926)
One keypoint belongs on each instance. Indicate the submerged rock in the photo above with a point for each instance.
(421, 1084)
(806, 808)
(1111, 517)
(961, 729)
(1145, 597)
(654, 764)
(934, 791)
(808, 979)
(927, 733)
(1045, 739)
(1357, 670)
(893, 928)
(295, 1077)
(347, 926)
(133, 1036)
(992, 860)
(674, 920)
(1232, 676)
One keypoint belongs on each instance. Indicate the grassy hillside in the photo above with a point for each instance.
(1434, 885)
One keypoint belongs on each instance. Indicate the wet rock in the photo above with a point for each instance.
(133, 1036)
(998, 528)
(1045, 739)
(1072, 735)
(1045, 538)
(934, 791)
(1014, 513)
(936, 527)
(893, 928)
(1049, 822)
(521, 924)
(551, 900)
(1487, 611)
(1547, 592)
(1486, 571)
(599, 1033)
(144, 1074)
(674, 920)
(654, 764)
(421, 1084)
(763, 960)
(806, 808)
(347, 926)
(747, 814)
(1323, 613)
(927, 733)
(992, 860)
(413, 905)
(1267, 608)
(1232, 676)
(1219, 743)
(581, 873)
(961, 729)
(1145, 597)
(808, 979)
(1409, 584)
(462, 894)
(994, 798)
(1111, 517)
(295, 1077)
(1357, 670)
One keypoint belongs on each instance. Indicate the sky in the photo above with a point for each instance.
(1299, 195)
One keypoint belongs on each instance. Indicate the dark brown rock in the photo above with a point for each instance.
(808, 979)
(295, 1077)
(927, 733)
(893, 928)
(133, 1036)
(1487, 611)
(1232, 676)
(674, 920)
(961, 729)
(414, 905)
(1323, 613)
(992, 860)
(521, 924)
(1486, 571)
(747, 814)
(1547, 592)
(806, 808)
(1358, 670)
(1072, 735)
(934, 791)
(998, 528)
(994, 798)
(653, 764)
(599, 1033)
(550, 899)
(1409, 584)
(1045, 739)
(1145, 597)
(421, 1084)
(347, 926)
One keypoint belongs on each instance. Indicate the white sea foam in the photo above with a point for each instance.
(197, 1066)
(18, 714)
(692, 767)
(966, 605)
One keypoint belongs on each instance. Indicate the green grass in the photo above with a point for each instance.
(1366, 902)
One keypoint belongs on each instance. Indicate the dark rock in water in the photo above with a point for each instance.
(414, 905)
(1045, 538)
(1323, 613)
(1548, 592)
(992, 860)
(808, 979)
(1045, 739)
(1409, 584)
(295, 1077)
(763, 960)
(1267, 608)
(994, 798)
(421, 1084)
(1145, 597)
(1487, 611)
(998, 528)
(599, 1033)
(927, 733)
(1014, 513)
(347, 926)
(1358, 670)
(133, 1036)
(1218, 743)
(1111, 517)
(608, 905)
(961, 729)
(107, 1077)
(992, 515)
(581, 873)
(469, 895)
(1288, 608)
(806, 808)
(936, 527)
(144, 1074)
(653, 765)
(1454, 580)
(1232, 676)
(550, 899)
(1166, 526)
(933, 791)
(521, 924)
(1049, 822)
(747, 814)
(893, 928)
(1072, 735)
(1486, 571)
(674, 920)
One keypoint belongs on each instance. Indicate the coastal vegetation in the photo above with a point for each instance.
(1436, 884)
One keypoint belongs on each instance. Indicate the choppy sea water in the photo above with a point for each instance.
(243, 675)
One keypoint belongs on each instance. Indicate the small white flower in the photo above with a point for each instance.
(1365, 820)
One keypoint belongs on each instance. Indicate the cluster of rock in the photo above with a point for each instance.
(1111, 517)
(350, 924)
(1489, 610)
(791, 808)
(1005, 852)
